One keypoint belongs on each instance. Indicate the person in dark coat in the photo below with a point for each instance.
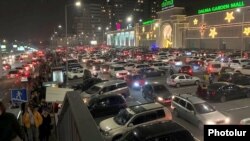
(46, 126)
(9, 126)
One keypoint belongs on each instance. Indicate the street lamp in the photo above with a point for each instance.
(77, 4)
(59, 26)
(107, 28)
(4, 41)
(129, 19)
(99, 28)
(242, 29)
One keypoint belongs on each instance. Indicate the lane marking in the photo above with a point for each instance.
(234, 109)
(138, 102)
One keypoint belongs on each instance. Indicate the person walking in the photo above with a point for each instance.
(46, 126)
(10, 129)
(32, 120)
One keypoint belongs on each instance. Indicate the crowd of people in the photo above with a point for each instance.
(35, 123)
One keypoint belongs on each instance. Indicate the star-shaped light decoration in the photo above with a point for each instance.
(195, 21)
(246, 31)
(213, 32)
(229, 17)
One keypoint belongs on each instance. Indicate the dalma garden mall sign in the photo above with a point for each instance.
(167, 4)
(222, 7)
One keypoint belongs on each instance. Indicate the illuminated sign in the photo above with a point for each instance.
(166, 4)
(222, 7)
(149, 22)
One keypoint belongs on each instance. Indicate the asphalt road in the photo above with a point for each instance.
(235, 109)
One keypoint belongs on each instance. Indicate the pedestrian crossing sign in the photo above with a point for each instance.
(19, 95)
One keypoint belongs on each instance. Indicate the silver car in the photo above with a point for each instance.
(197, 111)
(182, 79)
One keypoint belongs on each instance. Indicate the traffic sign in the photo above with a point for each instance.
(19, 95)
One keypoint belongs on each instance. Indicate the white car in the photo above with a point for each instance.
(159, 65)
(139, 67)
(245, 121)
(75, 73)
(245, 70)
(118, 71)
(238, 63)
(129, 67)
(214, 67)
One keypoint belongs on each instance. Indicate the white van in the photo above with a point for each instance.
(214, 67)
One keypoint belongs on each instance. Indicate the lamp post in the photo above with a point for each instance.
(242, 29)
(77, 4)
(129, 20)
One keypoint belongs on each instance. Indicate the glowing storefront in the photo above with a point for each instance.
(121, 38)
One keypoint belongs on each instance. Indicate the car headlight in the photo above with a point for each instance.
(136, 84)
(210, 123)
(104, 69)
(146, 83)
(85, 100)
(160, 99)
(227, 120)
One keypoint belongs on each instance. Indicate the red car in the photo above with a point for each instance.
(135, 81)
(186, 70)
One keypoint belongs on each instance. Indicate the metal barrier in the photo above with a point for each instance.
(75, 122)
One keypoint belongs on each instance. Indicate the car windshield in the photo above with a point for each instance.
(160, 88)
(203, 108)
(123, 117)
(119, 68)
(173, 76)
(93, 90)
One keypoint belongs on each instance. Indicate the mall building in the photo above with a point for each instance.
(223, 25)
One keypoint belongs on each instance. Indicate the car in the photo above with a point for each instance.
(87, 83)
(224, 91)
(118, 71)
(159, 65)
(96, 69)
(13, 74)
(196, 65)
(197, 111)
(135, 81)
(138, 67)
(159, 131)
(244, 70)
(104, 68)
(107, 87)
(6, 67)
(245, 121)
(239, 63)
(127, 119)
(106, 105)
(151, 72)
(129, 67)
(214, 67)
(75, 73)
(20, 70)
(226, 70)
(157, 93)
(186, 69)
(180, 79)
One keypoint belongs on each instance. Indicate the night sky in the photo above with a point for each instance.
(25, 20)
(35, 20)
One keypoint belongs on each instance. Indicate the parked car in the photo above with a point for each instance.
(127, 119)
(13, 74)
(223, 91)
(214, 67)
(245, 121)
(156, 92)
(118, 71)
(6, 67)
(226, 70)
(186, 69)
(107, 87)
(228, 77)
(239, 63)
(75, 73)
(197, 111)
(244, 70)
(106, 105)
(159, 131)
(138, 67)
(182, 79)
(104, 68)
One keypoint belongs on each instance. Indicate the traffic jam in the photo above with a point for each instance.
(127, 88)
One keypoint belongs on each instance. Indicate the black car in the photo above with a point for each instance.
(228, 76)
(106, 105)
(87, 84)
(159, 131)
(157, 92)
(223, 91)
(235, 78)
(151, 72)
(226, 70)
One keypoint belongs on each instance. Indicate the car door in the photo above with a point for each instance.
(236, 92)
(101, 108)
(189, 80)
(190, 113)
(246, 70)
(182, 108)
(182, 80)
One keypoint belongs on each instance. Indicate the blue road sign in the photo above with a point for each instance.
(19, 95)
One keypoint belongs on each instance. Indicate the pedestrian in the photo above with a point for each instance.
(45, 126)
(10, 129)
(32, 120)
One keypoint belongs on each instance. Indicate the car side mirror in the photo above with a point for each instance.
(130, 125)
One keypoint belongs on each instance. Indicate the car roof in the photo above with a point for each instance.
(145, 107)
(111, 82)
(107, 95)
(117, 65)
(158, 129)
(191, 98)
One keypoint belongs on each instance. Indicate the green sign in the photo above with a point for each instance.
(148, 22)
(222, 7)
(167, 3)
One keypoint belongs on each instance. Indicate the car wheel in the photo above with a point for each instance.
(197, 82)
(178, 85)
(117, 138)
(200, 125)
(75, 77)
(223, 99)
(175, 112)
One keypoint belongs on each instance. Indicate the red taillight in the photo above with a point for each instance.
(17, 75)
